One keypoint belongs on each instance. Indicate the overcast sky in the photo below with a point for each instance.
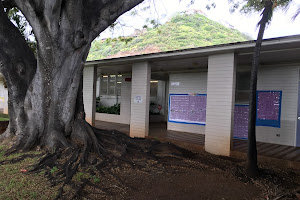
(281, 24)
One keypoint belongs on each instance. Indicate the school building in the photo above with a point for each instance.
(203, 91)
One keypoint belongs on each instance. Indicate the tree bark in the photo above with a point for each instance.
(46, 108)
(252, 168)
(18, 66)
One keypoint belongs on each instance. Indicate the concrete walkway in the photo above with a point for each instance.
(275, 152)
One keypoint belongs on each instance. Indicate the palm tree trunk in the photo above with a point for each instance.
(252, 168)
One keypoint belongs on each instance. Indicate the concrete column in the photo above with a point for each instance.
(140, 100)
(98, 86)
(125, 100)
(220, 103)
(89, 93)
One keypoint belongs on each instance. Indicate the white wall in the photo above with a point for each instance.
(124, 117)
(188, 83)
(89, 93)
(108, 101)
(3, 94)
(283, 78)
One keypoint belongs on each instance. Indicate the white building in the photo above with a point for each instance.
(204, 91)
(3, 96)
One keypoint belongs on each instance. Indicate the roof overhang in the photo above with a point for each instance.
(276, 50)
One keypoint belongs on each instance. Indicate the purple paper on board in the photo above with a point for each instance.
(240, 128)
(268, 105)
(188, 108)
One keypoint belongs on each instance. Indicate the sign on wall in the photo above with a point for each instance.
(187, 108)
(240, 128)
(268, 113)
(138, 99)
(268, 108)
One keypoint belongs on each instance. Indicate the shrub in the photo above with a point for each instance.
(115, 109)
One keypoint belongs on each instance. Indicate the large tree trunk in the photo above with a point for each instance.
(252, 168)
(46, 106)
(18, 66)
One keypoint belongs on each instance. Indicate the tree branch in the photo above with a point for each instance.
(106, 15)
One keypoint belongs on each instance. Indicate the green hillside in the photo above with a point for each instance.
(181, 32)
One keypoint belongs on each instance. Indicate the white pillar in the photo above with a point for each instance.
(220, 103)
(140, 100)
(89, 93)
(98, 86)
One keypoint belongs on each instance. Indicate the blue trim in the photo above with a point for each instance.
(240, 138)
(271, 123)
(191, 94)
(178, 122)
(242, 105)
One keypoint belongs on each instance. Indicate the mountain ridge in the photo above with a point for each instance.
(182, 31)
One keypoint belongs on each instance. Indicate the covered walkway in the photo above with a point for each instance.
(203, 91)
(159, 131)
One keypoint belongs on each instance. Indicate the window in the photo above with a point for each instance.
(109, 100)
(111, 85)
(242, 87)
(153, 88)
(103, 85)
(119, 84)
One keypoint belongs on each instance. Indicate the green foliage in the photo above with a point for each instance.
(53, 170)
(96, 179)
(181, 32)
(115, 109)
(4, 117)
(258, 5)
(81, 175)
(17, 18)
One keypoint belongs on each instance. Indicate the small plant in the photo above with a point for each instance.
(96, 179)
(115, 109)
(54, 169)
(82, 175)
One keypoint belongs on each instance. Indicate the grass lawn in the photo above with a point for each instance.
(4, 117)
(16, 184)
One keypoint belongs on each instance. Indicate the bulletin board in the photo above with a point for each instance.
(187, 108)
(268, 104)
(240, 128)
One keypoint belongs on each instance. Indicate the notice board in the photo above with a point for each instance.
(268, 108)
(187, 108)
(240, 128)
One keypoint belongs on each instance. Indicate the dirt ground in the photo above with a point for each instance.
(190, 184)
(168, 175)
(205, 177)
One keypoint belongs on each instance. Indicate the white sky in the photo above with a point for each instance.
(281, 24)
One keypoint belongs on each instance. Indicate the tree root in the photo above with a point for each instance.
(99, 153)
